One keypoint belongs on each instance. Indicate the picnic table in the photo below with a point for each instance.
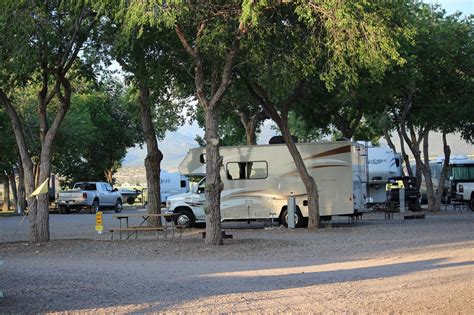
(143, 226)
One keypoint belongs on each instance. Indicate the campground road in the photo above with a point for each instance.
(374, 266)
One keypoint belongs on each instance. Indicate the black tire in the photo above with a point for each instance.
(471, 203)
(299, 220)
(185, 218)
(131, 200)
(62, 209)
(118, 206)
(94, 207)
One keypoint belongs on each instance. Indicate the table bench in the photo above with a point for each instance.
(136, 229)
(133, 230)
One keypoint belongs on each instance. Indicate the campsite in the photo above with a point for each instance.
(236, 156)
(375, 265)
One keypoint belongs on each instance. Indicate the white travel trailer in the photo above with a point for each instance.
(259, 179)
(383, 164)
(172, 184)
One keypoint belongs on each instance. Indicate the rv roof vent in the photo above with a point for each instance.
(279, 139)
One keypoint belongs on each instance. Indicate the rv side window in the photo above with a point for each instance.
(247, 170)
(202, 158)
(183, 184)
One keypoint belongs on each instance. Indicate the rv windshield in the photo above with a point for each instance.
(201, 186)
(463, 172)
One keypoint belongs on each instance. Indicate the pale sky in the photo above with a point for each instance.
(451, 6)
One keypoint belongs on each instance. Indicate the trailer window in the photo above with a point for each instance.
(463, 172)
(247, 170)
(202, 158)
(183, 184)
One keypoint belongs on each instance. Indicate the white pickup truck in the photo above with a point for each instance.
(89, 195)
(466, 190)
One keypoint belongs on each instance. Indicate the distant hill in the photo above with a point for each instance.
(176, 145)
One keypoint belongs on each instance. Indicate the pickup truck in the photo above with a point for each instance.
(465, 191)
(91, 196)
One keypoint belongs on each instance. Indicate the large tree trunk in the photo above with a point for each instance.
(250, 124)
(214, 185)
(388, 138)
(308, 181)
(153, 157)
(405, 156)
(21, 203)
(440, 191)
(427, 174)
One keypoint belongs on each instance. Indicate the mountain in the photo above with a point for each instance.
(176, 145)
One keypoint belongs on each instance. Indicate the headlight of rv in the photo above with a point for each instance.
(461, 189)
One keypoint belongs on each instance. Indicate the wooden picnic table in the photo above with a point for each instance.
(131, 230)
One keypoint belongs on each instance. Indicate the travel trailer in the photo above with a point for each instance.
(383, 164)
(259, 179)
(171, 183)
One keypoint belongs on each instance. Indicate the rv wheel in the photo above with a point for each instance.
(471, 203)
(185, 218)
(299, 221)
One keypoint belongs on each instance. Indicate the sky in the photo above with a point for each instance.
(451, 6)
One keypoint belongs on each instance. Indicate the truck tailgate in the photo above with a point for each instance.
(71, 195)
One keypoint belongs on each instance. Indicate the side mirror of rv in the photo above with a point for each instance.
(200, 190)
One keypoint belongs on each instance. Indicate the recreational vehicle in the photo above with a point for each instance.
(461, 170)
(171, 183)
(259, 179)
(383, 164)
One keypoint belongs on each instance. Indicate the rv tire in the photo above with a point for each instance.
(184, 217)
(299, 220)
(471, 203)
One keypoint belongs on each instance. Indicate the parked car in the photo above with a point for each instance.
(92, 196)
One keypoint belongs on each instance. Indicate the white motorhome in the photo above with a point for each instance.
(259, 179)
(461, 170)
(383, 163)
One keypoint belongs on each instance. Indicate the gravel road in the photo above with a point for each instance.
(371, 266)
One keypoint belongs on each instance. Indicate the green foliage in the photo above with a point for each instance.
(438, 78)
(95, 136)
(8, 149)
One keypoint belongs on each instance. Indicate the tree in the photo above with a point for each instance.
(95, 136)
(210, 34)
(147, 56)
(240, 117)
(41, 42)
(433, 91)
(302, 42)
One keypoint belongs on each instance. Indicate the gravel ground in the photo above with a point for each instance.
(371, 266)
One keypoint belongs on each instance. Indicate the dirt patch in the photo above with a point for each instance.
(374, 266)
